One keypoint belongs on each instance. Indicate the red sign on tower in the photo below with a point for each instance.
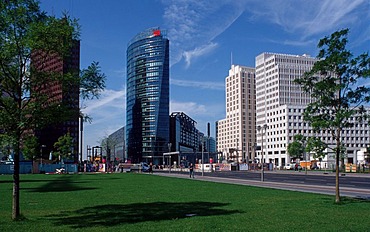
(156, 32)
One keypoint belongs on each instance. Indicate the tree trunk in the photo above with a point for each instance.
(15, 207)
(337, 156)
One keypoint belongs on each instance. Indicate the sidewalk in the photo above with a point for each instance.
(321, 172)
(328, 190)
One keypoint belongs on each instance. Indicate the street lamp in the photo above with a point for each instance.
(81, 139)
(305, 156)
(169, 157)
(202, 156)
(261, 128)
(237, 153)
(41, 151)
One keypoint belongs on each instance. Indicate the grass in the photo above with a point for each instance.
(142, 202)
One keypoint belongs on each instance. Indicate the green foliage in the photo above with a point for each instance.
(30, 147)
(317, 146)
(28, 38)
(6, 143)
(302, 144)
(27, 31)
(335, 85)
(297, 147)
(63, 146)
(92, 81)
(108, 144)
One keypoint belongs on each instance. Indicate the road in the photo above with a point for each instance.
(352, 185)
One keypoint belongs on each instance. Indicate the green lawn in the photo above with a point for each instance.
(143, 202)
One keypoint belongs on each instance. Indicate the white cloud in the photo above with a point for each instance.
(309, 18)
(332, 14)
(193, 25)
(107, 113)
(108, 98)
(200, 113)
(199, 84)
(296, 43)
(198, 51)
(197, 110)
(190, 108)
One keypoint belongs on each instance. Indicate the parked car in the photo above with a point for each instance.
(292, 166)
(144, 167)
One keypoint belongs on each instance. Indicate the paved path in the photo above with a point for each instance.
(330, 190)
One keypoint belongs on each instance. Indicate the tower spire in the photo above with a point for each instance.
(231, 59)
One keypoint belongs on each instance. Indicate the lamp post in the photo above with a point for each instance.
(41, 151)
(261, 128)
(202, 156)
(81, 139)
(305, 156)
(169, 151)
(237, 154)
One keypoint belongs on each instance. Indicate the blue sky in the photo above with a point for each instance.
(205, 38)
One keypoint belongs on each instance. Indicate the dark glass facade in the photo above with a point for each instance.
(147, 108)
(58, 93)
(184, 135)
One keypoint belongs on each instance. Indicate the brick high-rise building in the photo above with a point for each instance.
(57, 93)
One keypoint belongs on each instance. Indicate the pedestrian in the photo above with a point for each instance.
(151, 168)
(191, 170)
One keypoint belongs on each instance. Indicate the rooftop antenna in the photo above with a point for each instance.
(231, 59)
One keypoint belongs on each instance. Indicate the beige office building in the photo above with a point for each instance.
(280, 104)
(235, 135)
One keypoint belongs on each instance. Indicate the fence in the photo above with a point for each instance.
(28, 168)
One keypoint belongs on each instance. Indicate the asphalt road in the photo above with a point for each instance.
(351, 184)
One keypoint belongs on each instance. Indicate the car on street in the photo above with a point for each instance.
(292, 166)
(144, 167)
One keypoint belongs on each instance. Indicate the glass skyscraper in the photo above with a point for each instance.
(147, 108)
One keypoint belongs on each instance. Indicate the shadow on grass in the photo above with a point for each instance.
(21, 181)
(351, 200)
(65, 183)
(344, 200)
(115, 214)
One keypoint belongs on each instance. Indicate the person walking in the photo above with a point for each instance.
(151, 168)
(191, 170)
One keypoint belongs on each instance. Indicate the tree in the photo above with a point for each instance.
(301, 146)
(297, 147)
(30, 147)
(5, 145)
(24, 31)
(335, 86)
(316, 146)
(108, 145)
(64, 146)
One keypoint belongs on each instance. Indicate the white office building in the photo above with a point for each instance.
(280, 104)
(235, 134)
